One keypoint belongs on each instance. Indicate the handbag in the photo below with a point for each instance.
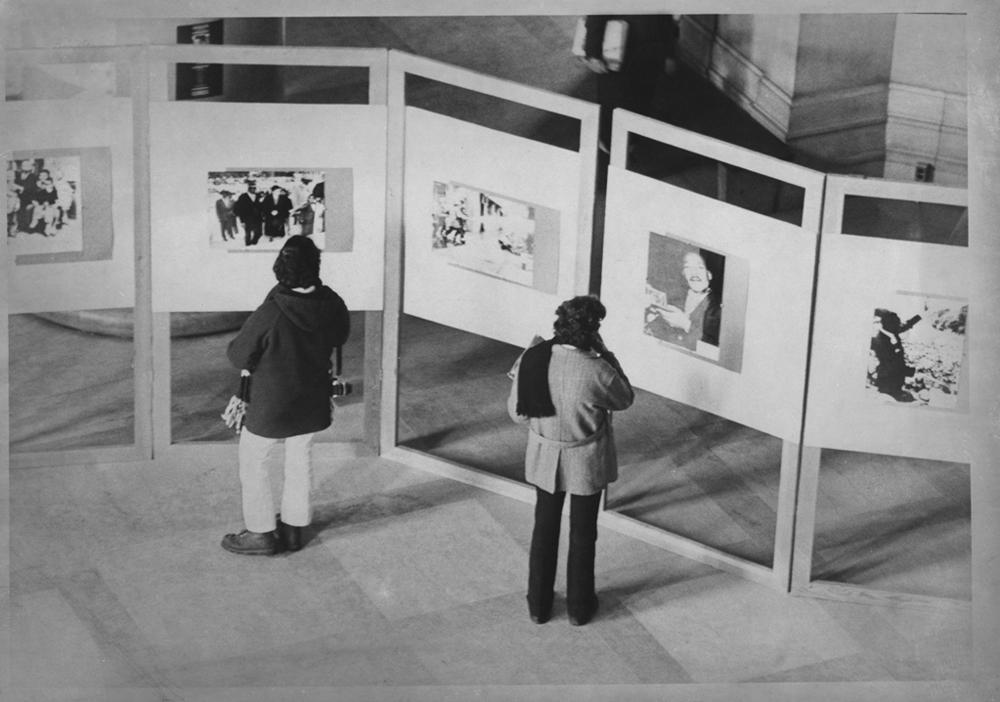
(235, 413)
(338, 387)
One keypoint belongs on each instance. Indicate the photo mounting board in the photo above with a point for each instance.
(189, 274)
(766, 392)
(857, 275)
(444, 150)
(100, 274)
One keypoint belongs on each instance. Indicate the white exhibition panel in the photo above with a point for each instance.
(444, 150)
(108, 281)
(766, 390)
(856, 276)
(189, 141)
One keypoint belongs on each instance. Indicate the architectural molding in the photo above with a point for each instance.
(869, 129)
(741, 80)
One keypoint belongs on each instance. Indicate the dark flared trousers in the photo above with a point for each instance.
(544, 553)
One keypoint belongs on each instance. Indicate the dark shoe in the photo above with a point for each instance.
(581, 619)
(540, 614)
(251, 543)
(289, 537)
(539, 618)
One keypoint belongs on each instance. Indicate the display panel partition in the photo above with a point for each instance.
(487, 231)
(889, 388)
(323, 165)
(709, 309)
(75, 134)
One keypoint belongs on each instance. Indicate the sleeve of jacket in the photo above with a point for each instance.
(616, 391)
(246, 348)
(341, 322)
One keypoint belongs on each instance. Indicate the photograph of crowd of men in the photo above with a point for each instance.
(917, 351)
(684, 285)
(485, 232)
(43, 204)
(257, 210)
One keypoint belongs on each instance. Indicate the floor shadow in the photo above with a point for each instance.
(882, 546)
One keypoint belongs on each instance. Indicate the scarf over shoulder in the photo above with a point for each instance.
(534, 399)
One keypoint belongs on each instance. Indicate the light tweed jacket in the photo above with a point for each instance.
(574, 451)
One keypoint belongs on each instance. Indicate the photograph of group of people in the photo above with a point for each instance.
(259, 209)
(917, 351)
(43, 204)
(684, 285)
(488, 233)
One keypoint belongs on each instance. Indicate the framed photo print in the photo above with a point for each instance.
(686, 303)
(59, 205)
(259, 209)
(495, 235)
(918, 351)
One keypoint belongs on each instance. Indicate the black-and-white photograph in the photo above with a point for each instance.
(489, 233)
(44, 197)
(635, 412)
(684, 285)
(918, 346)
(257, 210)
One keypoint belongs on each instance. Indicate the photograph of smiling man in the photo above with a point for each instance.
(684, 285)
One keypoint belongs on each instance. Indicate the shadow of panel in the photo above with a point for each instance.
(894, 523)
(698, 475)
(682, 470)
(453, 389)
(69, 388)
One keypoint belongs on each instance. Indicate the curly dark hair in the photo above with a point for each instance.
(297, 265)
(577, 321)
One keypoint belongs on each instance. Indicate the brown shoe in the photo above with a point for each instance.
(251, 543)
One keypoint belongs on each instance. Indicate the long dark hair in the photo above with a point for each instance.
(577, 321)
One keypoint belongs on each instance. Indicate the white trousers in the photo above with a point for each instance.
(258, 503)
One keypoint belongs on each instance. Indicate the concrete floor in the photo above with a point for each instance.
(410, 587)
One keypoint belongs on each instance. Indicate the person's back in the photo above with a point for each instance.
(289, 341)
(286, 347)
(584, 388)
(565, 390)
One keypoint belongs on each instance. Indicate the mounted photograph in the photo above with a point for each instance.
(256, 210)
(688, 304)
(495, 235)
(44, 204)
(918, 351)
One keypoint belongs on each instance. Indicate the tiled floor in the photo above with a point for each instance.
(118, 583)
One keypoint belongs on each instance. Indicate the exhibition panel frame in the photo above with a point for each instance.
(760, 316)
(500, 177)
(92, 137)
(889, 349)
(342, 147)
(387, 261)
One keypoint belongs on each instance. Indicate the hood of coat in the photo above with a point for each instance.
(307, 311)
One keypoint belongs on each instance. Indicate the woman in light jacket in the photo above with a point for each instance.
(565, 390)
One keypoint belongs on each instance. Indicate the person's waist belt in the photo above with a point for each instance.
(601, 431)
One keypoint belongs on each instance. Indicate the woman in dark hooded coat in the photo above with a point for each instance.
(287, 345)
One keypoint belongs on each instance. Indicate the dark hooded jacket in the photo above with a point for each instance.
(287, 344)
